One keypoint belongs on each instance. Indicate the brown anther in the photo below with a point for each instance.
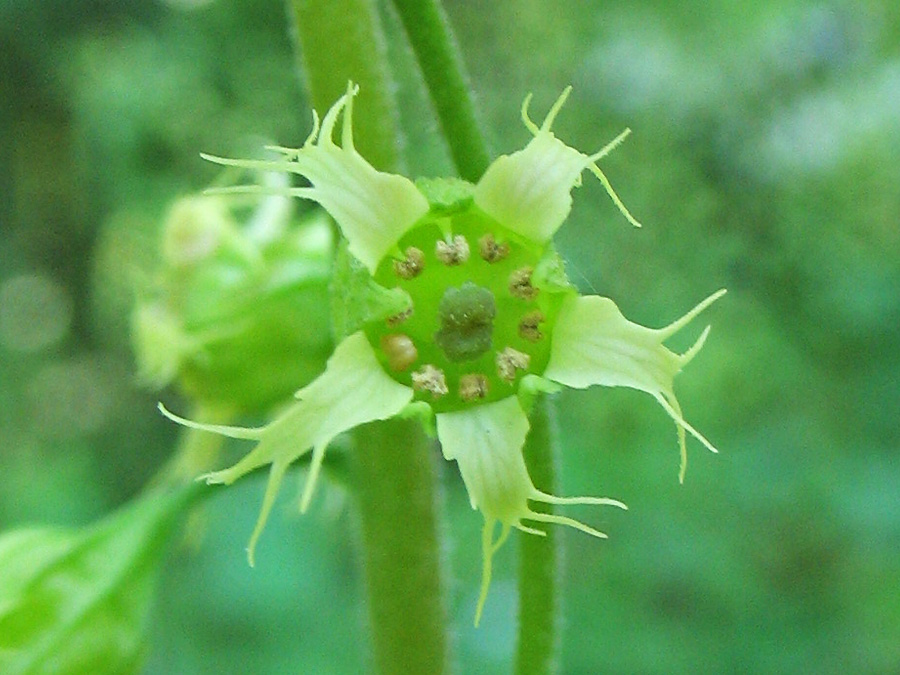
(412, 265)
(454, 253)
(429, 378)
(529, 326)
(397, 319)
(509, 361)
(490, 250)
(473, 386)
(520, 284)
(400, 350)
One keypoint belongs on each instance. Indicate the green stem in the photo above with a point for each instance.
(442, 67)
(539, 556)
(342, 40)
(395, 485)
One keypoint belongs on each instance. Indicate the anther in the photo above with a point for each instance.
(454, 253)
(397, 319)
(429, 378)
(520, 284)
(400, 350)
(509, 361)
(529, 326)
(490, 250)
(473, 387)
(412, 265)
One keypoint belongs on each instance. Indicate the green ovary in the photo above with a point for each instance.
(467, 322)
(477, 325)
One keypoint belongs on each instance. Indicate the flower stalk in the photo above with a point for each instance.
(442, 68)
(342, 40)
(401, 548)
(339, 41)
(539, 557)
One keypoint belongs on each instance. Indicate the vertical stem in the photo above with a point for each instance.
(442, 67)
(539, 556)
(395, 486)
(342, 40)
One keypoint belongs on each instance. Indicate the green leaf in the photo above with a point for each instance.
(76, 600)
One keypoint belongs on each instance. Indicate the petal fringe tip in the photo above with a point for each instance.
(241, 433)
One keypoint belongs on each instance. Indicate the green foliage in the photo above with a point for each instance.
(76, 600)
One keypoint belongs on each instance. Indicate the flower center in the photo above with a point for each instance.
(478, 319)
(467, 322)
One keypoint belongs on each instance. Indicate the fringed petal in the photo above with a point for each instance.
(373, 208)
(353, 390)
(593, 343)
(486, 443)
(529, 191)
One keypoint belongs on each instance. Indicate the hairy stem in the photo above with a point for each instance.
(442, 67)
(395, 485)
(339, 41)
(539, 556)
(342, 40)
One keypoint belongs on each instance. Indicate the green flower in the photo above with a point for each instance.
(453, 297)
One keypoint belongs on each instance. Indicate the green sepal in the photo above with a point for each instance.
(76, 600)
(446, 195)
(550, 273)
(423, 413)
(356, 299)
(531, 386)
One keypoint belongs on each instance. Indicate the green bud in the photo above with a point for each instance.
(194, 230)
(236, 319)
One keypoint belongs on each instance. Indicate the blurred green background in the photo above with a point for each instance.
(765, 158)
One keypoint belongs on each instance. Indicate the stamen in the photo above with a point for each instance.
(490, 250)
(454, 253)
(400, 350)
(412, 265)
(529, 326)
(509, 361)
(397, 319)
(429, 378)
(520, 284)
(473, 387)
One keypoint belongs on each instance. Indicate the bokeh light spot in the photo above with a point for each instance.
(35, 313)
